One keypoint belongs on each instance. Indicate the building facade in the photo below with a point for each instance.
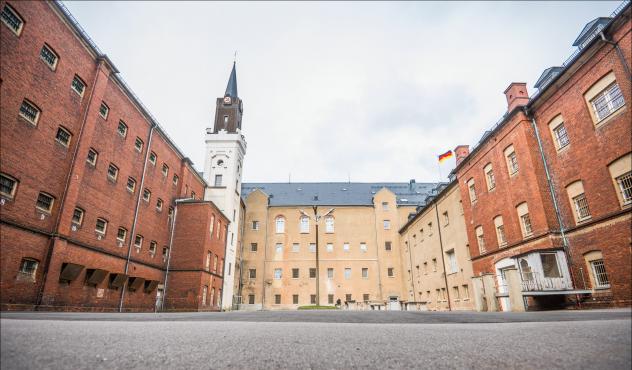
(89, 180)
(325, 243)
(435, 254)
(548, 190)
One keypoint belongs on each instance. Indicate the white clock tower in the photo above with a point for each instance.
(225, 151)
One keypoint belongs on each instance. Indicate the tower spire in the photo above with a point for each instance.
(231, 88)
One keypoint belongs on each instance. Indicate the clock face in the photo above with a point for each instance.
(227, 100)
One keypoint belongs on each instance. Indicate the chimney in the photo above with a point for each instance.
(461, 152)
(516, 95)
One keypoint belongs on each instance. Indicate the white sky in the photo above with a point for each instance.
(374, 91)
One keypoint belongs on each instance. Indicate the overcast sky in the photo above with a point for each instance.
(372, 91)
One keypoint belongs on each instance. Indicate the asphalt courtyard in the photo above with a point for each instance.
(599, 339)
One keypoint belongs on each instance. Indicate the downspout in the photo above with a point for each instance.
(377, 255)
(135, 221)
(49, 253)
(558, 214)
(265, 257)
(445, 275)
(410, 260)
(173, 228)
(619, 53)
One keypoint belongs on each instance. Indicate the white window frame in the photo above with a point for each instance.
(96, 157)
(363, 247)
(138, 241)
(81, 214)
(280, 225)
(63, 130)
(116, 172)
(52, 202)
(133, 187)
(146, 195)
(304, 224)
(104, 110)
(452, 262)
(50, 50)
(278, 274)
(76, 80)
(329, 224)
(139, 144)
(105, 226)
(489, 177)
(30, 106)
(14, 13)
(14, 186)
(118, 234)
(122, 129)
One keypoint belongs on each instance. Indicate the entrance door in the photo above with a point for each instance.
(393, 304)
(159, 294)
(501, 267)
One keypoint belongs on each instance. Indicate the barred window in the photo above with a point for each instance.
(92, 157)
(63, 136)
(29, 111)
(112, 172)
(28, 267)
(608, 101)
(625, 187)
(122, 129)
(599, 273)
(131, 184)
(101, 226)
(526, 224)
(512, 160)
(45, 202)
(11, 18)
(159, 205)
(49, 56)
(8, 185)
(138, 144)
(165, 170)
(581, 207)
(491, 180)
(152, 157)
(561, 136)
(104, 110)
(77, 216)
(121, 234)
(146, 195)
(78, 85)
(502, 241)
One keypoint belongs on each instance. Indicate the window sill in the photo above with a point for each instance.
(583, 220)
(563, 149)
(610, 117)
(46, 212)
(33, 124)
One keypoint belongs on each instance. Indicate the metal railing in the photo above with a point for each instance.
(535, 281)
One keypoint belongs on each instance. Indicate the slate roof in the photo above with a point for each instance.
(589, 29)
(339, 193)
(231, 88)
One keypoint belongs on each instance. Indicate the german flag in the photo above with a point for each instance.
(445, 156)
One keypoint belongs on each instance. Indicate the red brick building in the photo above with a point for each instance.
(90, 181)
(549, 190)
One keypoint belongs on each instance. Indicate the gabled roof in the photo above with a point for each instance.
(547, 76)
(339, 193)
(231, 88)
(590, 29)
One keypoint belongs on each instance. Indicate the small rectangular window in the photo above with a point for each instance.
(296, 247)
(11, 19)
(251, 299)
(625, 187)
(8, 185)
(312, 273)
(112, 172)
(152, 248)
(255, 225)
(277, 274)
(45, 202)
(92, 157)
(165, 170)
(345, 247)
(390, 272)
(387, 224)
(63, 136)
(279, 248)
(159, 205)
(312, 247)
(253, 247)
(218, 180)
(28, 268)
(312, 299)
(365, 297)
(561, 136)
(446, 218)
(608, 101)
(49, 56)
(101, 226)
(330, 299)
(581, 207)
(78, 85)
(512, 163)
(347, 273)
(466, 291)
(363, 247)
(122, 129)
(131, 184)
(138, 144)
(472, 190)
(29, 112)
(152, 158)
(175, 179)
(384, 206)
(104, 110)
(365, 273)
(600, 275)
(330, 247)
(121, 234)
(330, 273)
(252, 273)
(388, 246)
(77, 216)
(348, 298)
(146, 195)
(295, 273)
(138, 241)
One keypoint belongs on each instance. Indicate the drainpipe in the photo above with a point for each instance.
(137, 208)
(73, 160)
(558, 214)
(410, 260)
(619, 53)
(445, 275)
(265, 258)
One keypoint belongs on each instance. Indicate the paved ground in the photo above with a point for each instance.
(319, 340)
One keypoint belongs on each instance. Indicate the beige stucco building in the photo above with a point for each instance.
(437, 269)
(359, 251)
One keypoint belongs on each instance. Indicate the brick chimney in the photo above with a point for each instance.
(461, 152)
(516, 95)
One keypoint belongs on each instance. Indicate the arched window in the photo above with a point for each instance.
(329, 224)
(304, 224)
(280, 225)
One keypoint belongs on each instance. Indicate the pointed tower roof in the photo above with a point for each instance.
(231, 88)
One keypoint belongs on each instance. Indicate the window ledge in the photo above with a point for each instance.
(610, 117)
(563, 149)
